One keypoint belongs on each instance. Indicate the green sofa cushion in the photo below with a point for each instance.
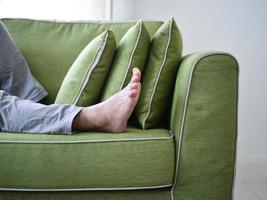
(131, 52)
(50, 47)
(159, 76)
(85, 79)
(87, 161)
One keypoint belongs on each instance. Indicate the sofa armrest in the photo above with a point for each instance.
(204, 123)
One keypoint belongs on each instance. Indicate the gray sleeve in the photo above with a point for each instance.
(25, 116)
(15, 76)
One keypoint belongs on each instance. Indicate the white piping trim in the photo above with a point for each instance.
(198, 59)
(158, 76)
(131, 58)
(236, 143)
(91, 68)
(85, 141)
(86, 189)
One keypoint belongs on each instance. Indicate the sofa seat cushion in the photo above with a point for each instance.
(135, 159)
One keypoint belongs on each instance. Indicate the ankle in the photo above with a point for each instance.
(95, 117)
(79, 121)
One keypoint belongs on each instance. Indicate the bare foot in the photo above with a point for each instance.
(111, 115)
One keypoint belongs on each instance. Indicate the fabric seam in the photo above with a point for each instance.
(84, 141)
(236, 143)
(86, 189)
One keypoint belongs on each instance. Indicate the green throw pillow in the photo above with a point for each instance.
(131, 52)
(86, 77)
(159, 75)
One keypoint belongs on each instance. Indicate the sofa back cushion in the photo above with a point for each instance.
(50, 47)
(159, 76)
(86, 77)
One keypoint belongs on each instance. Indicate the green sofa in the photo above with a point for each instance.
(189, 156)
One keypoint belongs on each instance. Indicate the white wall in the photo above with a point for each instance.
(54, 9)
(239, 27)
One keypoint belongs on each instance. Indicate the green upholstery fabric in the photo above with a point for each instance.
(158, 194)
(132, 52)
(159, 75)
(204, 122)
(87, 160)
(50, 47)
(85, 79)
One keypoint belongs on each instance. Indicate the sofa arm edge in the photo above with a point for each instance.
(179, 108)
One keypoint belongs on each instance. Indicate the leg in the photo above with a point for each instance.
(19, 115)
(26, 116)
(111, 115)
(15, 76)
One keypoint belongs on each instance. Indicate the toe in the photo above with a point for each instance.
(134, 79)
(137, 71)
(134, 86)
(133, 93)
(136, 74)
(135, 90)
